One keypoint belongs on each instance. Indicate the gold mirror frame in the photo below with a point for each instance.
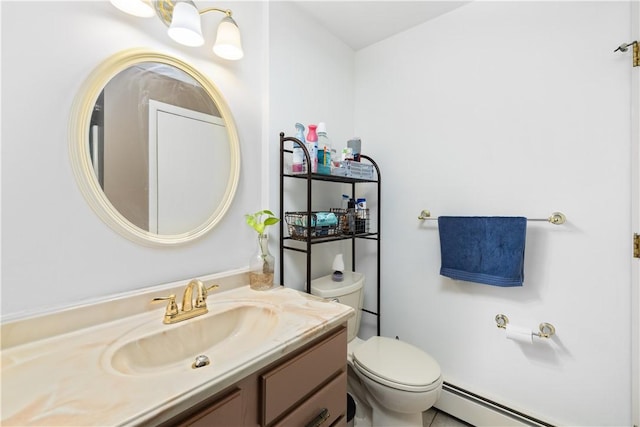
(79, 126)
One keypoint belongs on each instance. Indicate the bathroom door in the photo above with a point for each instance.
(635, 220)
(184, 167)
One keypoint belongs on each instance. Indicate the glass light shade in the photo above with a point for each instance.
(141, 8)
(228, 43)
(185, 25)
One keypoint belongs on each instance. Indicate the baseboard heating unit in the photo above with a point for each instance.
(480, 411)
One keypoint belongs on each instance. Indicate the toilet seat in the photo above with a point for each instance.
(397, 364)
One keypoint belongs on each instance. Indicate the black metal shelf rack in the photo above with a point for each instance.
(304, 246)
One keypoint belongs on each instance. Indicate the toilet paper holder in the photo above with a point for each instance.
(546, 329)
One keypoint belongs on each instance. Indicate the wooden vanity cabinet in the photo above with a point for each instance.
(224, 411)
(307, 387)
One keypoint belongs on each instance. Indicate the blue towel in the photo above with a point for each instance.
(487, 250)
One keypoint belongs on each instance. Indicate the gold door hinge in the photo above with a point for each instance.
(636, 51)
(636, 245)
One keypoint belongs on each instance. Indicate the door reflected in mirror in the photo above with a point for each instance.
(188, 167)
(159, 146)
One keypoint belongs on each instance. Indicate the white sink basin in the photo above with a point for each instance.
(221, 335)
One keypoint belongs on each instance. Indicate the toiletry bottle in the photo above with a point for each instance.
(355, 144)
(347, 154)
(344, 208)
(312, 145)
(361, 215)
(345, 202)
(299, 161)
(361, 203)
(324, 150)
(351, 215)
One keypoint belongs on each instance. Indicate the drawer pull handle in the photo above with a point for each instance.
(323, 416)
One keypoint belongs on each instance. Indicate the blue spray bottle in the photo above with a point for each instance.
(298, 161)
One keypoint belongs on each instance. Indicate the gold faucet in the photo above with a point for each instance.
(174, 314)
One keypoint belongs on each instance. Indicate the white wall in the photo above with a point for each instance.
(510, 108)
(55, 250)
(310, 80)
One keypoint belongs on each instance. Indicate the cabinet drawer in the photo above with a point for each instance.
(292, 382)
(332, 397)
(224, 413)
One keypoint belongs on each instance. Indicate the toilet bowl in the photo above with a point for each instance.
(396, 380)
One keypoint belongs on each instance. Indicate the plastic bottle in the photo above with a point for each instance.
(324, 150)
(345, 202)
(361, 216)
(351, 215)
(312, 145)
(298, 158)
(355, 144)
(347, 154)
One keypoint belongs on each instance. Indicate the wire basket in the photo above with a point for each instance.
(356, 221)
(297, 225)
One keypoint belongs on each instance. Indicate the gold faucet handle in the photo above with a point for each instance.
(207, 289)
(202, 300)
(172, 307)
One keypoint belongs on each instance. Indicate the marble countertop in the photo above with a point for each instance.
(69, 378)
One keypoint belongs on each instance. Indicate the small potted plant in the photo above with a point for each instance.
(262, 264)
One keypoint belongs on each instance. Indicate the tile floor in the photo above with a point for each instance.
(436, 418)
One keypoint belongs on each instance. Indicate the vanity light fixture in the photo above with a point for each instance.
(228, 43)
(185, 25)
(141, 8)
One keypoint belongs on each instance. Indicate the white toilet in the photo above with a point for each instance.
(396, 380)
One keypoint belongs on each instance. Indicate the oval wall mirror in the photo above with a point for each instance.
(154, 148)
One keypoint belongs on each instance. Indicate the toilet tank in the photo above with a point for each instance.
(348, 292)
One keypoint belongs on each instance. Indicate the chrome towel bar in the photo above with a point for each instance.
(556, 218)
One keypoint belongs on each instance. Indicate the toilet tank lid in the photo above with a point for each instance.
(397, 361)
(325, 287)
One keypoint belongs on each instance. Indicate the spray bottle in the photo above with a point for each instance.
(312, 145)
(298, 158)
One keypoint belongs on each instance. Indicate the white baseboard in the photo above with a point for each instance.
(481, 412)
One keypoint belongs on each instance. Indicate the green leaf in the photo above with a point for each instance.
(271, 221)
(256, 222)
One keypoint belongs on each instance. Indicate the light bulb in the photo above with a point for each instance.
(139, 8)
